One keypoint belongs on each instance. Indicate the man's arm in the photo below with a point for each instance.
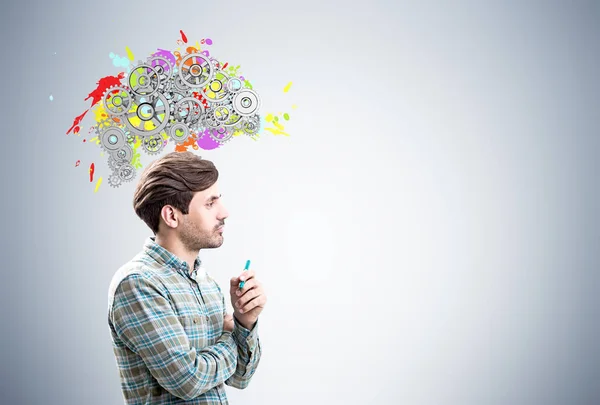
(249, 351)
(146, 323)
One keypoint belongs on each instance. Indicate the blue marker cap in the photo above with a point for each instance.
(245, 269)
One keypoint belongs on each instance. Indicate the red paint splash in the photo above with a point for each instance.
(225, 65)
(103, 85)
(183, 36)
(76, 122)
(91, 172)
(201, 98)
(77, 163)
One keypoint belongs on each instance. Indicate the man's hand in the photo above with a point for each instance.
(228, 323)
(249, 301)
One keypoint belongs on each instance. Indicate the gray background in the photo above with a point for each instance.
(427, 235)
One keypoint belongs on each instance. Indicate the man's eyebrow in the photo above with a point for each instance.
(213, 197)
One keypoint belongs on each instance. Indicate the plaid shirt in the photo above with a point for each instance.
(167, 333)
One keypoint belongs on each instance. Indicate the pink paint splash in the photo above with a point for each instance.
(206, 142)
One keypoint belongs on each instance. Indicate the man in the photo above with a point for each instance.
(171, 335)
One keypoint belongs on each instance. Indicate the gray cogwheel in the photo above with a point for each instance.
(220, 134)
(162, 66)
(180, 86)
(196, 70)
(104, 124)
(216, 89)
(114, 164)
(251, 125)
(179, 132)
(126, 172)
(125, 154)
(188, 110)
(114, 180)
(246, 102)
(117, 100)
(234, 84)
(153, 144)
(226, 115)
(210, 120)
(154, 109)
(112, 139)
(143, 80)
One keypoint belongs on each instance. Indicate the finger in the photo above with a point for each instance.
(250, 284)
(244, 276)
(256, 302)
(248, 296)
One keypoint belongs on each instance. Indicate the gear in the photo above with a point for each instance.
(234, 85)
(251, 125)
(216, 90)
(210, 120)
(154, 109)
(153, 144)
(162, 66)
(180, 86)
(179, 132)
(196, 70)
(114, 180)
(188, 110)
(143, 80)
(225, 114)
(117, 100)
(220, 134)
(126, 172)
(112, 139)
(104, 124)
(125, 154)
(114, 164)
(246, 102)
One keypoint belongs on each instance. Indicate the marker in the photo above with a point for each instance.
(245, 269)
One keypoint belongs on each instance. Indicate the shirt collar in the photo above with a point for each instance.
(165, 258)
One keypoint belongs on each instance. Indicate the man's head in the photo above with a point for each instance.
(178, 197)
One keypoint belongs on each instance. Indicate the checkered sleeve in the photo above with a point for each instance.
(249, 351)
(145, 321)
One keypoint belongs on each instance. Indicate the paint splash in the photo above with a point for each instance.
(98, 185)
(129, 53)
(103, 85)
(92, 167)
(183, 37)
(274, 119)
(76, 122)
(77, 163)
(51, 97)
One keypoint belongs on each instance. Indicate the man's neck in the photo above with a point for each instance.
(176, 248)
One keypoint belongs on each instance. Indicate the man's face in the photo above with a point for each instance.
(200, 227)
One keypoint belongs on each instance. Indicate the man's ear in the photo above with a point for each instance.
(170, 216)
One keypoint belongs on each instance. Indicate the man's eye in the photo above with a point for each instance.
(210, 204)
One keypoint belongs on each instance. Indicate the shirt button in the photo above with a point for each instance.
(195, 320)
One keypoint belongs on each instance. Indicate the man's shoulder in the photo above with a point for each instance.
(138, 265)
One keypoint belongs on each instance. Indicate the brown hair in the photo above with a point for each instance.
(171, 180)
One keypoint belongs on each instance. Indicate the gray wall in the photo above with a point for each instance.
(428, 234)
